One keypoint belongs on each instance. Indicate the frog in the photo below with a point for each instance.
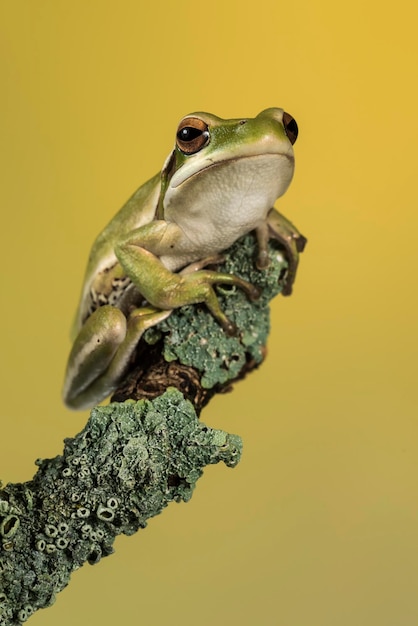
(218, 183)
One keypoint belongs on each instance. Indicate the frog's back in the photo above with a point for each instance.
(139, 210)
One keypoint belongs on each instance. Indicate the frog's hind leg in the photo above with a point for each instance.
(102, 352)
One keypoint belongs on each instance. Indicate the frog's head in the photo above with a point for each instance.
(238, 163)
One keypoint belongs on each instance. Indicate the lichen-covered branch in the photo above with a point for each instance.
(135, 455)
(130, 461)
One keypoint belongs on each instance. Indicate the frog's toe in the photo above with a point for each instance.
(254, 293)
(263, 260)
(301, 242)
(230, 329)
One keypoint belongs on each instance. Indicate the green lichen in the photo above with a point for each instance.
(192, 336)
(131, 460)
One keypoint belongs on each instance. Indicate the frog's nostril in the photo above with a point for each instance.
(290, 127)
(242, 122)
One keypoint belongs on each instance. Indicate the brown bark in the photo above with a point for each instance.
(151, 375)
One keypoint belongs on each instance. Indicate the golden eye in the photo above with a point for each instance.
(290, 127)
(192, 135)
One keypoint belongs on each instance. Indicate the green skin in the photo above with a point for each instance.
(183, 217)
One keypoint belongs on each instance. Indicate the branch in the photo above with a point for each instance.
(141, 452)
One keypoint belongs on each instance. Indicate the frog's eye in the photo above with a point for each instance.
(290, 127)
(192, 135)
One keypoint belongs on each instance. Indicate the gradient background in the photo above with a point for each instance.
(318, 525)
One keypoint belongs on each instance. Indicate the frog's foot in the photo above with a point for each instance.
(252, 292)
(280, 228)
(102, 353)
(197, 287)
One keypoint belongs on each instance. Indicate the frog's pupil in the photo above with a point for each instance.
(188, 133)
(291, 127)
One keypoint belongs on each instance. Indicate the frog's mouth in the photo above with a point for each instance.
(189, 171)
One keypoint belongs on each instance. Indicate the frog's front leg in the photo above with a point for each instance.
(277, 226)
(102, 352)
(139, 256)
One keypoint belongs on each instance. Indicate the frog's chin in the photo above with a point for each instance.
(191, 170)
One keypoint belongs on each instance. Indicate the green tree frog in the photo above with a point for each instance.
(219, 183)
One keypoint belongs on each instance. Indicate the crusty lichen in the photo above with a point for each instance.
(129, 462)
(193, 336)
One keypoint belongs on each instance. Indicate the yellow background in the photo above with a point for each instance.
(318, 525)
